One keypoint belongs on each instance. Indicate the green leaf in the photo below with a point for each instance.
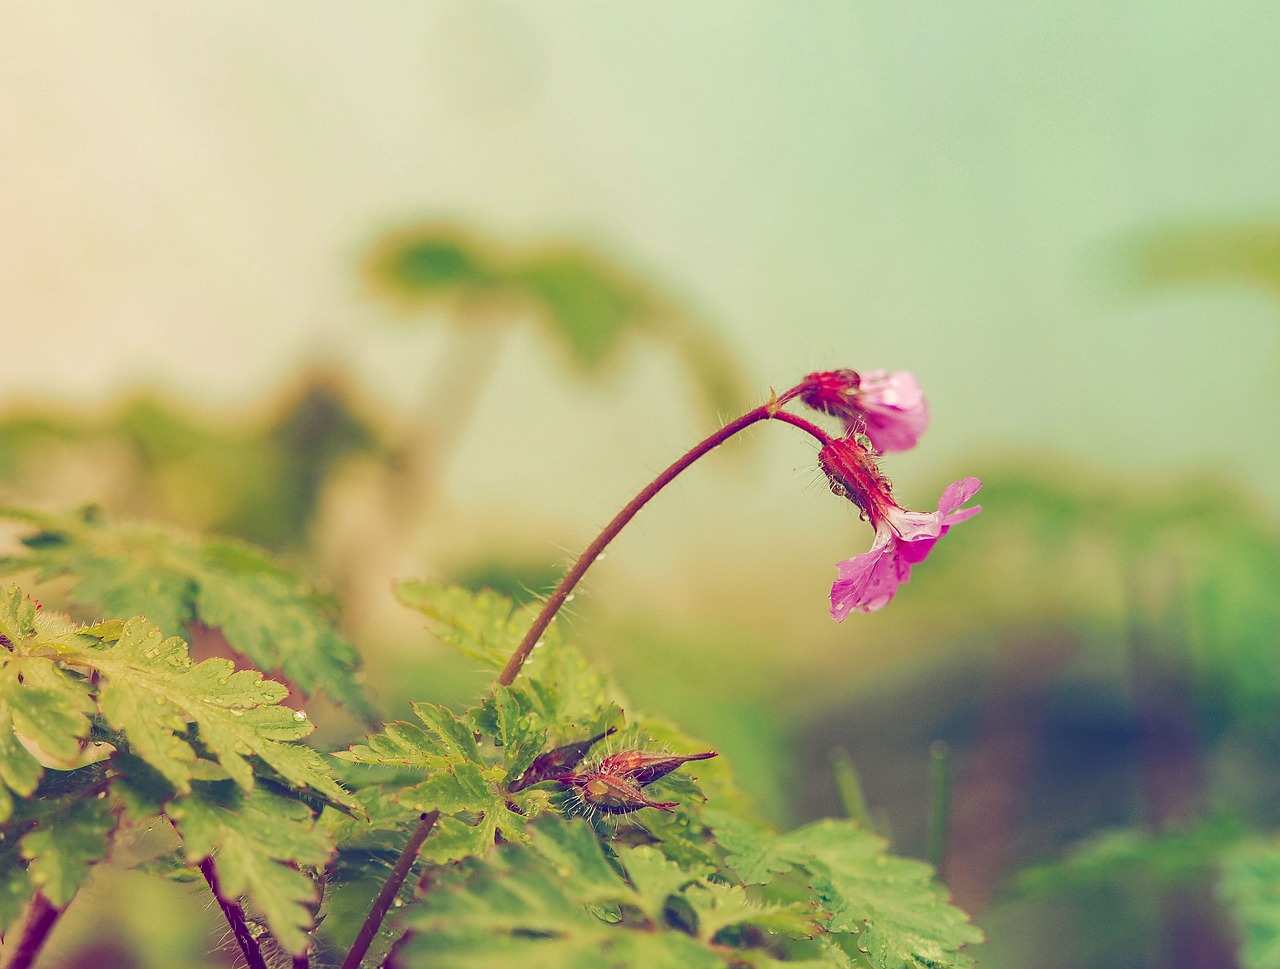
(68, 843)
(533, 909)
(15, 888)
(1250, 886)
(265, 613)
(484, 625)
(151, 683)
(166, 709)
(256, 842)
(898, 914)
(1152, 863)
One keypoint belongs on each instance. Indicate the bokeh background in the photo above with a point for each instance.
(432, 289)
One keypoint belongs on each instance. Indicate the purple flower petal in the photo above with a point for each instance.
(895, 410)
(868, 581)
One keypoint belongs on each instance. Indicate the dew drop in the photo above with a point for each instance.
(299, 715)
(600, 557)
(570, 597)
(397, 903)
(223, 680)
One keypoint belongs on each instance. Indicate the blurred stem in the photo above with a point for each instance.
(468, 363)
(235, 918)
(382, 904)
(574, 575)
(849, 789)
(41, 916)
(939, 801)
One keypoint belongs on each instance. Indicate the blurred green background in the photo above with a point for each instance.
(433, 289)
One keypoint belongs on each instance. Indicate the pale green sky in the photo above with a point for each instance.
(933, 186)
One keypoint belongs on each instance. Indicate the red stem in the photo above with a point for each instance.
(235, 918)
(574, 575)
(381, 904)
(39, 922)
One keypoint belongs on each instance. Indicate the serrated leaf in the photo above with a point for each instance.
(265, 613)
(898, 913)
(719, 907)
(561, 902)
(68, 843)
(655, 879)
(901, 916)
(256, 841)
(1250, 886)
(149, 690)
(483, 625)
(149, 678)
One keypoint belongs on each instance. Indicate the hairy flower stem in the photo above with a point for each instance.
(235, 918)
(574, 575)
(41, 916)
(382, 904)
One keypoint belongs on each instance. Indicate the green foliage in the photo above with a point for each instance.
(1226, 252)
(1250, 885)
(567, 900)
(113, 727)
(264, 612)
(892, 907)
(260, 480)
(1145, 861)
(590, 306)
(169, 731)
(259, 840)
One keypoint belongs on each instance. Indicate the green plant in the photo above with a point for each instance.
(545, 824)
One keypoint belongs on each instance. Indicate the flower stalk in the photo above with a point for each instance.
(766, 411)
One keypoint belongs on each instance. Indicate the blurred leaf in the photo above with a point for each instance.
(265, 613)
(1149, 862)
(1250, 885)
(1225, 252)
(66, 845)
(587, 304)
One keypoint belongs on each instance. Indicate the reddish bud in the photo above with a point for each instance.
(557, 764)
(613, 786)
(614, 794)
(853, 474)
(644, 768)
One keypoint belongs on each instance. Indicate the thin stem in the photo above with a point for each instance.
(381, 904)
(585, 561)
(849, 789)
(235, 918)
(41, 916)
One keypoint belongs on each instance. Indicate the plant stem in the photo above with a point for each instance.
(574, 575)
(235, 918)
(849, 789)
(41, 916)
(381, 904)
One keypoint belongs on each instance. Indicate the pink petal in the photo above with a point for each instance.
(957, 493)
(895, 408)
(868, 582)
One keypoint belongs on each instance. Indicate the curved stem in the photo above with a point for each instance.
(41, 916)
(235, 918)
(381, 904)
(557, 598)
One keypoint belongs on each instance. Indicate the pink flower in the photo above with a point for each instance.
(904, 538)
(887, 406)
